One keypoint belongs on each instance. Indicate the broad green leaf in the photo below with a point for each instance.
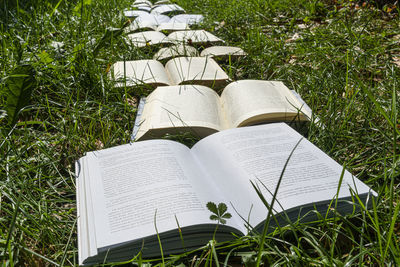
(222, 208)
(212, 207)
(227, 216)
(214, 217)
(19, 87)
(219, 212)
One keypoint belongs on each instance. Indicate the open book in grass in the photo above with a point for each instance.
(165, 9)
(201, 111)
(216, 52)
(190, 19)
(191, 37)
(181, 50)
(129, 193)
(181, 70)
(223, 52)
(151, 22)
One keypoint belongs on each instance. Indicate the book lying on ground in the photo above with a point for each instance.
(191, 37)
(129, 193)
(148, 38)
(142, 2)
(135, 13)
(223, 52)
(190, 19)
(182, 50)
(155, 23)
(143, 7)
(194, 37)
(165, 9)
(199, 109)
(216, 52)
(181, 70)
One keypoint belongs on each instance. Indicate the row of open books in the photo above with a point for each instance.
(133, 196)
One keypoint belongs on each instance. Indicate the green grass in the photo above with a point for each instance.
(341, 59)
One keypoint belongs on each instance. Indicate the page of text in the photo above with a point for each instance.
(182, 106)
(137, 186)
(184, 69)
(247, 99)
(140, 71)
(258, 154)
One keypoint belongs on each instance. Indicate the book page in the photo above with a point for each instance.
(81, 213)
(182, 107)
(258, 153)
(141, 25)
(196, 70)
(193, 37)
(191, 19)
(135, 13)
(143, 7)
(142, 2)
(166, 53)
(140, 72)
(223, 51)
(167, 9)
(147, 22)
(250, 102)
(148, 38)
(135, 184)
(171, 27)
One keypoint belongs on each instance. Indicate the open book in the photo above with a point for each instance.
(191, 37)
(181, 70)
(165, 9)
(155, 23)
(199, 109)
(223, 52)
(216, 52)
(127, 192)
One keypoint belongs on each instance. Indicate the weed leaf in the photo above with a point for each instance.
(212, 207)
(111, 33)
(222, 208)
(219, 213)
(19, 87)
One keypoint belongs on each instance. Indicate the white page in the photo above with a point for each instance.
(189, 69)
(141, 25)
(147, 20)
(142, 2)
(175, 51)
(90, 226)
(190, 19)
(162, 2)
(251, 101)
(139, 72)
(135, 13)
(81, 214)
(193, 37)
(130, 182)
(182, 106)
(143, 7)
(165, 9)
(146, 38)
(218, 51)
(236, 156)
(171, 27)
